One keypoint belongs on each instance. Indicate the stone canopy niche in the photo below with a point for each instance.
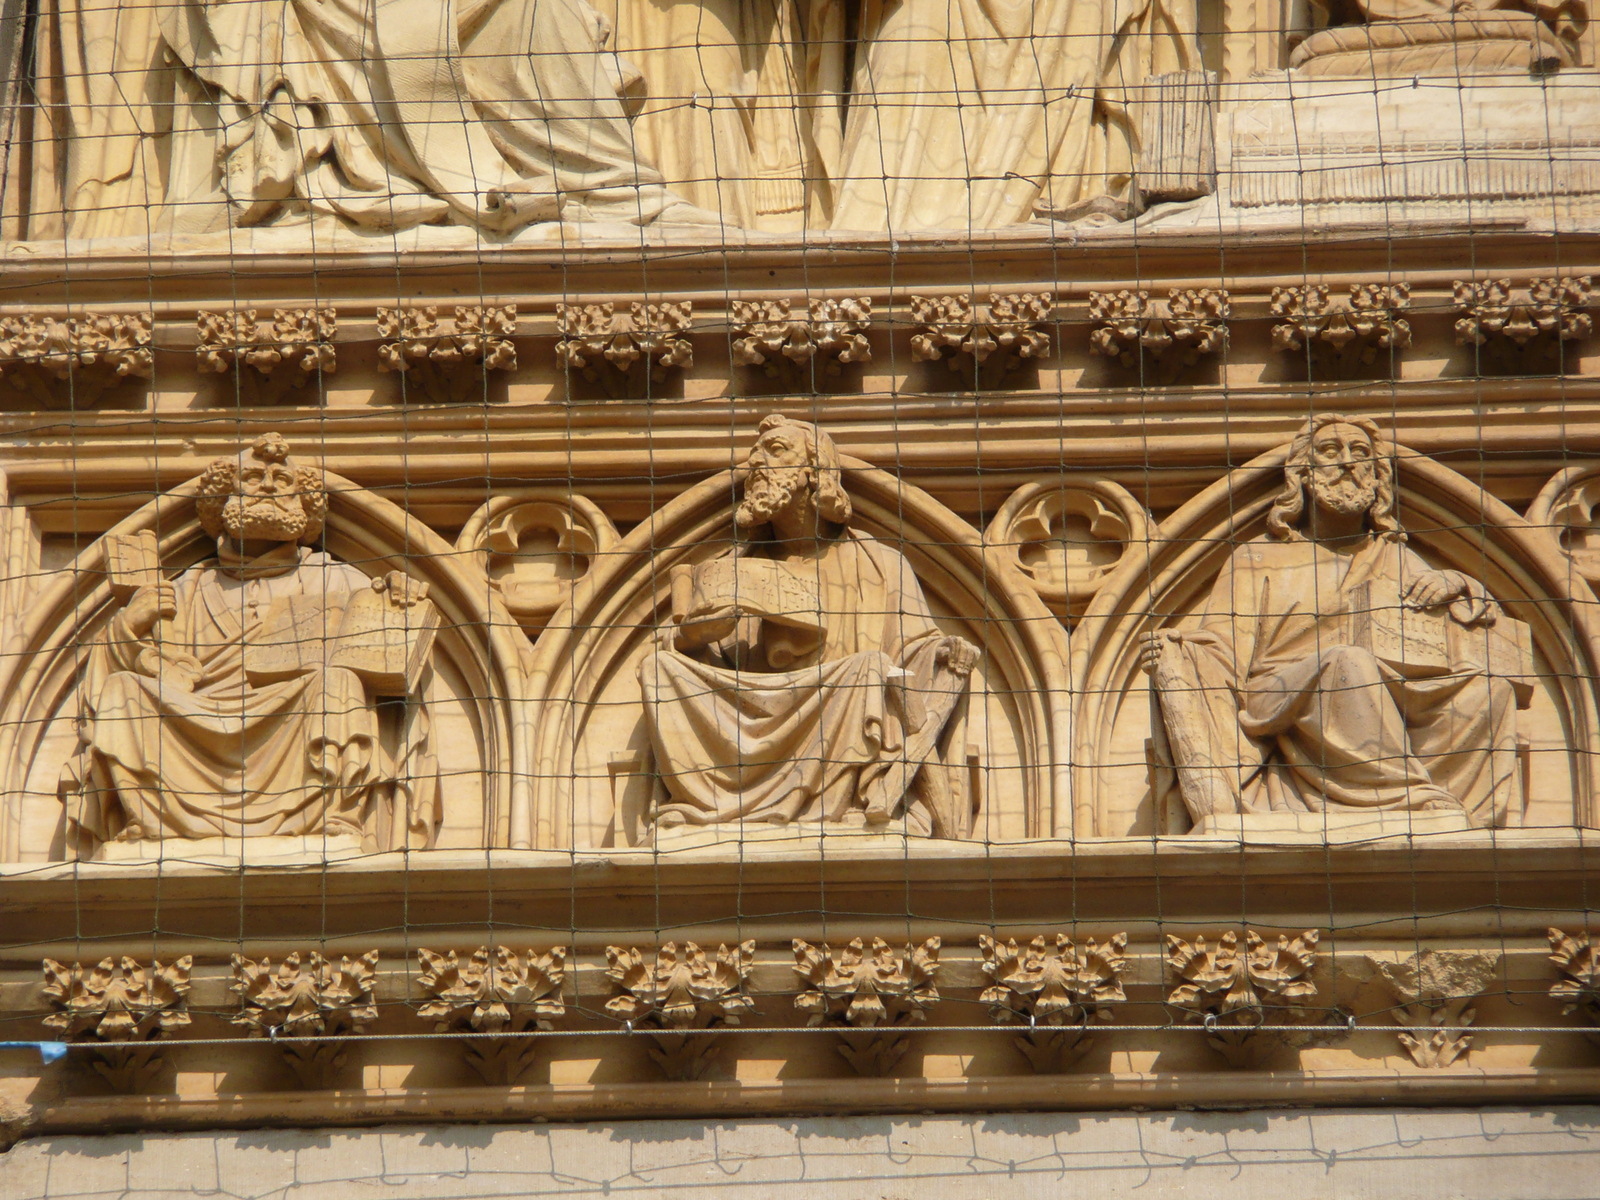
(207, 680)
(1430, 672)
(689, 693)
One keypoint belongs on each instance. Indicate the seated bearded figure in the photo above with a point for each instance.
(802, 678)
(1333, 670)
(215, 705)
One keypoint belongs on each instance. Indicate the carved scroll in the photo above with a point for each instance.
(73, 361)
(283, 354)
(315, 998)
(685, 989)
(878, 990)
(447, 363)
(494, 992)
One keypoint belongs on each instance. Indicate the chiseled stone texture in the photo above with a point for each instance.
(1427, 1155)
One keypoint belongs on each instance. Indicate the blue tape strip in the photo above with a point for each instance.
(48, 1051)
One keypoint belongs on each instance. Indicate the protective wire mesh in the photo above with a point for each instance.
(714, 430)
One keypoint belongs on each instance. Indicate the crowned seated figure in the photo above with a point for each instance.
(238, 701)
(1334, 671)
(801, 678)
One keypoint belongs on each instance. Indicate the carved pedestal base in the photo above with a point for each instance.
(278, 850)
(797, 836)
(1292, 828)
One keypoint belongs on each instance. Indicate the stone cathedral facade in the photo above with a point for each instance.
(635, 597)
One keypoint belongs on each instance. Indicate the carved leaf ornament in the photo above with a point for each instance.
(1053, 986)
(1579, 963)
(595, 333)
(685, 988)
(767, 332)
(493, 991)
(957, 327)
(306, 999)
(117, 1000)
(1192, 321)
(1225, 984)
(864, 988)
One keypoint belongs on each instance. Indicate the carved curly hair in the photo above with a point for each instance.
(833, 503)
(219, 483)
(1289, 505)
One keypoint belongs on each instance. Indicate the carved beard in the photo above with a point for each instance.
(766, 494)
(264, 518)
(1347, 495)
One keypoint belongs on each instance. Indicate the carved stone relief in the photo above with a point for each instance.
(1169, 600)
(1363, 328)
(71, 362)
(1578, 989)
(1434, 992)
(967, 333)
(1173, 333)
(1067, 538)
(1239, 996)
(1058, 992)
(603, 345)
(817, 618)
(282, 355)
(1524, 324)
(1386, 622)
(534, 546)
(314, 998)
(876, 990)
(447, 364)
(122, 1006)
(494, 992)
(683, 993)
(315, 645)
(1382, 41)
(768, 335)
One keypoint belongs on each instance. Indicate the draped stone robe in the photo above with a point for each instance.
(977, 114)
(193, 115)
(232, 759)
(1300, 720)
(841, 733)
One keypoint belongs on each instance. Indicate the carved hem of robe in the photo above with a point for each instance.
(774, 746)
(239, 765)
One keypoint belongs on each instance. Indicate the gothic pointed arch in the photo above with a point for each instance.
(586, 710)
(1450, 520)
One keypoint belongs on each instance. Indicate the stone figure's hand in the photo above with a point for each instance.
(702, 629)
(1433, 588)
(150, 604)
(404, 592)
(958, 654)
(1150, 646)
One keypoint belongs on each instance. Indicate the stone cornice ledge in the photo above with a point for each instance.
(1545, 854)
(1212, 1089)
